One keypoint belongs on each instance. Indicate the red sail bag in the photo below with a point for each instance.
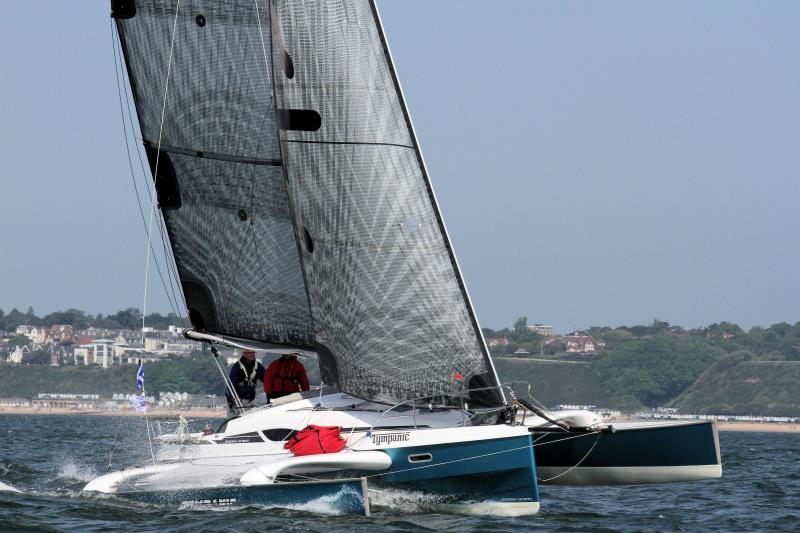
(314, 440)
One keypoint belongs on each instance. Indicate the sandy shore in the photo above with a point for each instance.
(755, 427)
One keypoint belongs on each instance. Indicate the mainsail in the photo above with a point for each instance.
(296, 198)
(219, 181)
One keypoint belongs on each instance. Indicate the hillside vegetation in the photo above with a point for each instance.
(716, 369)
(554, 382)
(735, 386)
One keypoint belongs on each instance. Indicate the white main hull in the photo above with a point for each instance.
(433, 451)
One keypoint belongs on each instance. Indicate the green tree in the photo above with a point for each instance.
(159, 321)
(18, 340)
(72, 317)
(652, 371)
(15, 319)
(554, 347)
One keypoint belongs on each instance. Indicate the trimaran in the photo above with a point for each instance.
(300, 214)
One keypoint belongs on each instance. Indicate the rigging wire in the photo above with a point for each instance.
(155, 170)
(228, 383)
(169, 257)
(263, 44)
(173, 303)
(576, 465)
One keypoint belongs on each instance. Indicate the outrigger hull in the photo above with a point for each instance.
(633, 453)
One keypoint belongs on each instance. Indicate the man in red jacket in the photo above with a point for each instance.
(285, 376)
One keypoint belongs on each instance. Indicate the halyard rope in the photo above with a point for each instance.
(153, 201)
(155, 170)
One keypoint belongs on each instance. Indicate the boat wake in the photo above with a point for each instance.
(324, 505)
(404, 501)
(4, 487)
(69, 470)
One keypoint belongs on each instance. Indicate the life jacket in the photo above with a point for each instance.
(315, 440)
(249, 378)
(286, 379)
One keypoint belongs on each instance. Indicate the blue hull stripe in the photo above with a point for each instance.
(499, 470)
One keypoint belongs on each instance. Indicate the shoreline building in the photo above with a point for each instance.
(541, 329)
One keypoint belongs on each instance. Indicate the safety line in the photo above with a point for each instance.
(576, 464)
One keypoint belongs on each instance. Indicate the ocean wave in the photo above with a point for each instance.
(4, 487)
(71, 470)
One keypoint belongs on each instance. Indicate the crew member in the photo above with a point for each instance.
(285, 376)
(244, 374)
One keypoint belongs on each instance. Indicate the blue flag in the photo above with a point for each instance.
(140, 403)
(140, 376)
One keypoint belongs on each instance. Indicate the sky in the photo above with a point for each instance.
(596, 163)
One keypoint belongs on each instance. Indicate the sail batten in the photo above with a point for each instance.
(211, 155)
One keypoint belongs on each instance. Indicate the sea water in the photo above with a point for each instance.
(46, 460)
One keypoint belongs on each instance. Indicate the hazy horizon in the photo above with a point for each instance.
(596, 165)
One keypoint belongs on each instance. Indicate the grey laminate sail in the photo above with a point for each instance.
(287, 131)
(388, 302)
(220, 183)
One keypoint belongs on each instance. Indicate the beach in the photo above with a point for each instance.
(756, 427)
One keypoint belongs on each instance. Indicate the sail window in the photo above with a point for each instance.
(299, 119)
(242, 215)
(243, 438)
(201, 306)
(279, 434)
(308, 242)
(200, 20)
(169, 196)
(410, 225)
(288, 65)
(123, 9)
